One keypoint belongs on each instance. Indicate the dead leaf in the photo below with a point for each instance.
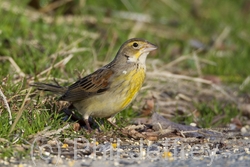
(76, 127)
(148, 107)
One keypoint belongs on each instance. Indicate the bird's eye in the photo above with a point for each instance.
(135, 44)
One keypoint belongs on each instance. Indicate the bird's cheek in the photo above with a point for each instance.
(132, 59)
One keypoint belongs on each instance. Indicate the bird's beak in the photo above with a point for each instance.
(149, 47)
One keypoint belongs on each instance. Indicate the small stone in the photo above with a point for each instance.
(116, 163)
(56, 161)
(52, 142)
(193, 124)
(86, 163)
(243, 130)
(152, 138)
(46, 153)
(71, 163)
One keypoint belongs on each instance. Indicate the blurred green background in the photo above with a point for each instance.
(32, 31)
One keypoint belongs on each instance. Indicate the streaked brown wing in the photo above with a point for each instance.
(90, 85)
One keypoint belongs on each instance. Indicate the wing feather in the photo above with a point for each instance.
(88, 86)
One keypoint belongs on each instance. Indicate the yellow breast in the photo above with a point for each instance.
(132, 85)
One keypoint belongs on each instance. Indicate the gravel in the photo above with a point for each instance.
(174, 151)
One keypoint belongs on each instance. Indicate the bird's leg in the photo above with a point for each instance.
(87, 124)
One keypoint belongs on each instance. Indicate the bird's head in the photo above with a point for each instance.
(136, 50)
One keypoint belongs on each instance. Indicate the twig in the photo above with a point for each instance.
(182, 133)
(7, 106)
(215, 133)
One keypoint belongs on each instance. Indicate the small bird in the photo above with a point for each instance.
(111, 88)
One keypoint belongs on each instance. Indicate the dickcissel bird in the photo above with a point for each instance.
(111, 88)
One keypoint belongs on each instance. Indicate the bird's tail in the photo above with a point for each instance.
(57, 89)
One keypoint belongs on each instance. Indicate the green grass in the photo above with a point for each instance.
(210, 115)
(35, 41)
(36, 44)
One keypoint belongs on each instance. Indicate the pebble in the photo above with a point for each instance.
(56, 160)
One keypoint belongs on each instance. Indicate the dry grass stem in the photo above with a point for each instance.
(136, 29)
(46, 133)
(71, 48)
(174, 6)
(6, 105)
(197, 64)
(111, 47)
(245, 83)
(133, 16)
(198, 67)
(60, 80)
(161, 75)
(184, 57)
(95, 61)
(19, 114)
(127, 4)
(14, 64)
(218, 42)
(72, 51)
(50, 7)
(60, 63)
(54, 132)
